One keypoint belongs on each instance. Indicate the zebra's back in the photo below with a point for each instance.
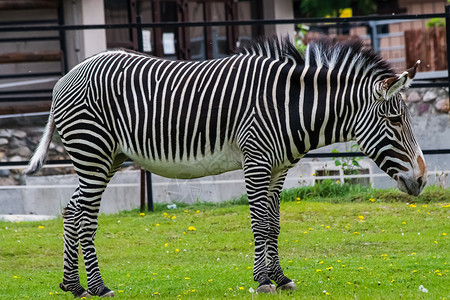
(175, 118)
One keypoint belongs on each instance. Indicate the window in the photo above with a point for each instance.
(196, 43)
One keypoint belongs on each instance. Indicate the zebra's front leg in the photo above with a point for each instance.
(257, 180)
(71, 281)
(273, 263)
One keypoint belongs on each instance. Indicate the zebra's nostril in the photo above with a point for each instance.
(420, 181)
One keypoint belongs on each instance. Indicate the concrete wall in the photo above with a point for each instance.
(84, 43)
(279, 9)
(48, 195)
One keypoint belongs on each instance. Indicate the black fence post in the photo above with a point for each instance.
(142, 190)
(447, 36)
(62, 39)
(148, 177)
(139, 34)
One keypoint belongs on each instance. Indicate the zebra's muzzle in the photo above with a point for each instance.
(410, 185)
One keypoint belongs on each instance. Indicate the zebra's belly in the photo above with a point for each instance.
(228, 159)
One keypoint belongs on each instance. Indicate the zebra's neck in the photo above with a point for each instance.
(331, 101)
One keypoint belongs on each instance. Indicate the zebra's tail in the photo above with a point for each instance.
(40, 155)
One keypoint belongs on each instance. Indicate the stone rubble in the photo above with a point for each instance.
(428, 100)
(18, 145)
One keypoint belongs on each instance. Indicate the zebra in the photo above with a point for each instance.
(261, 110)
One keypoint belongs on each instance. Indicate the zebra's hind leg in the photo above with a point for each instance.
(71, 280)
(274, 269)
(92, 190)
(93, 179)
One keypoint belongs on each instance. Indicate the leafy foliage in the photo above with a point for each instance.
(350, 165)
(435, 22)
(322, 8)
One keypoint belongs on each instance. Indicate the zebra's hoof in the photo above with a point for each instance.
(290, 286)
(78, 293)
(266, 289)
(108, 294)
(104, 293)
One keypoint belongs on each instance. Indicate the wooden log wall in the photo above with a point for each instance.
(428, 45)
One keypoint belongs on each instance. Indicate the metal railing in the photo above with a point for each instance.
(367, 21)
(146, 180)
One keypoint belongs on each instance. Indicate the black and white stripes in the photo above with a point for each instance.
(261, 110)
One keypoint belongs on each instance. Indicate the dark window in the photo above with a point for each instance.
(183, 42)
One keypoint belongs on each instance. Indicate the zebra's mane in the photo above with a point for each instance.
(272, 47)
(323, 52)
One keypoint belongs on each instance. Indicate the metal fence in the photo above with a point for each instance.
(60, 30)
(49, 25)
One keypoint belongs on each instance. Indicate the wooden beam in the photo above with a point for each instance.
(28, 4)
(10, 58)
(7, 108)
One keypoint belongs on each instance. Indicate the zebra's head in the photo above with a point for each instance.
(385, 134)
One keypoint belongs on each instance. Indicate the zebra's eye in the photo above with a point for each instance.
(395, 118)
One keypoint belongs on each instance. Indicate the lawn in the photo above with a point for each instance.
(364, 247)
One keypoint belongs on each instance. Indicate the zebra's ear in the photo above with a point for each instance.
(392, 85)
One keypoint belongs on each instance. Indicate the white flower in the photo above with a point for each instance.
(422, 289)
(251, 290)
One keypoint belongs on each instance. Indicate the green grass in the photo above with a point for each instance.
(348, 246)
